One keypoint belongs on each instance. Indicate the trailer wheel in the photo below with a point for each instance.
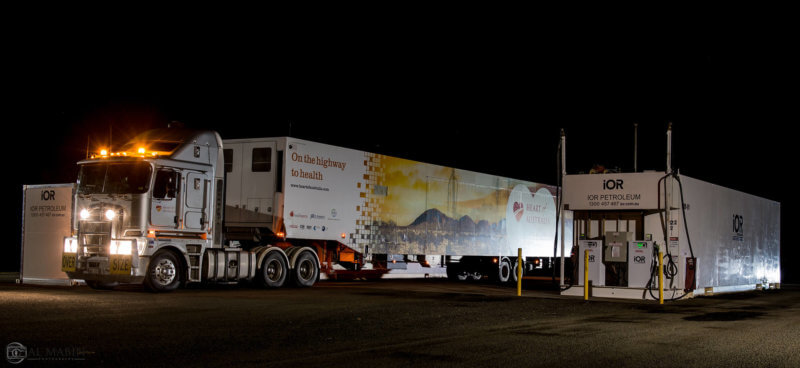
(514, 271)
(476, 276)
(273, 270)
(306, 270)
(456, 273)
(504, 271)
(163, 272)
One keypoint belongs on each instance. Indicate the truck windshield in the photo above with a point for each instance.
(114, 178)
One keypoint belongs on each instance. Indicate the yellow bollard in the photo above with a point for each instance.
(660, 278)
(586, 275)
(519, 271)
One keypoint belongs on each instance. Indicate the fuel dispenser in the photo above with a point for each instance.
(597, 271)
(640, 259)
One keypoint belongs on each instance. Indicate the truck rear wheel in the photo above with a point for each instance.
(306, 270)
(163, 272)
(273, 270)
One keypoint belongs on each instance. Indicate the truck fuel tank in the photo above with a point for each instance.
(229, 264)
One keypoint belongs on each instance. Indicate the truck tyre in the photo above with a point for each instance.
(504, 271)
(514, 270)
(476, 276)
(456, 273)
(273, 270)
(163, 273)
(306, 270)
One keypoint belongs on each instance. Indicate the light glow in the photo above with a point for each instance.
(110, 214)
(85, 214)
(121, 247)
(70, 245)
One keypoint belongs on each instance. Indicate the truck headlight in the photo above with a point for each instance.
(121, 247)
(70, 245)
(85, 214)
(110, 214)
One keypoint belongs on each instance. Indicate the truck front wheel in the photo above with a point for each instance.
(163, 272)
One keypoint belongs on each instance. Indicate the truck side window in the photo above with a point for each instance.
(228, 157)
(165, 185)
(262, 159)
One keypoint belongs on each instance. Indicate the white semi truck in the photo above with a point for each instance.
(176, 206)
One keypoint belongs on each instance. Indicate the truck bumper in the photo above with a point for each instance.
(110, 269)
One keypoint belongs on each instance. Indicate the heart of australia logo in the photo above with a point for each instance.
(518, 210)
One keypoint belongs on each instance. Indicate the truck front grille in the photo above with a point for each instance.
(95, 237)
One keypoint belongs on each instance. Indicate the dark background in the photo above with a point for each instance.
(485, 92)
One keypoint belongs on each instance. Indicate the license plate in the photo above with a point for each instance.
(68, 262)
(119, 265)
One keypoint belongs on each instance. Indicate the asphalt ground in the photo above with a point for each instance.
(395, 323)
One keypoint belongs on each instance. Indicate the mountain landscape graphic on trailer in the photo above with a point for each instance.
(429, 209)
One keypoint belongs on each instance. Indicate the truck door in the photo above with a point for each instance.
(197, 195)
(164, 204)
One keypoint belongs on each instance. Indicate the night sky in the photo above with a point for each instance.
(487, 98)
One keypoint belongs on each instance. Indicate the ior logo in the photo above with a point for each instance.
(519, 209)
(48, 195)
(639, 259)
(612, 184)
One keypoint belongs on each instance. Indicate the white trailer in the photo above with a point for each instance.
(178, 206)
(714, 239)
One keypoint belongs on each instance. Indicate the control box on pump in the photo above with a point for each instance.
(616, 249)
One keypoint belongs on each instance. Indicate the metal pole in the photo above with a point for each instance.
(660, 277)
(519, 271)
(668, 188)
(561, 271)
(586, 275)
(563, 154)
(635, 147)
(669, 148)
(563, 175)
